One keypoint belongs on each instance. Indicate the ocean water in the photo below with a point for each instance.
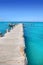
(33, 35)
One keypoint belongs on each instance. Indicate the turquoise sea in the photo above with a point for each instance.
(33, 35)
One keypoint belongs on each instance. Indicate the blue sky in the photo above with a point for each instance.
(21, 10)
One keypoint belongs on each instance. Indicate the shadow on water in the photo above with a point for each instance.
(26, 39)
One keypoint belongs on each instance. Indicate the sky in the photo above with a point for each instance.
(21, 10)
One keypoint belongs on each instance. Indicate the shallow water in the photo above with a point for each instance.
(33, 34)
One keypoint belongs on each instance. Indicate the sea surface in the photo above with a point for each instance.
(33, 35)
